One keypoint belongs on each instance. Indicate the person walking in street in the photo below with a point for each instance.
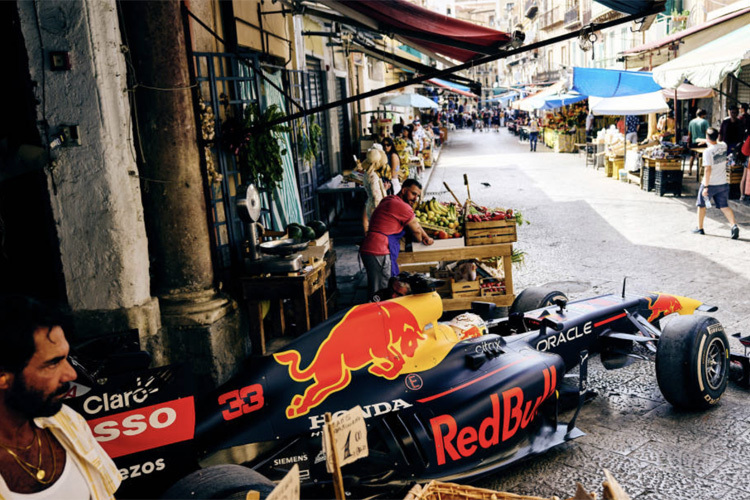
(47, 450)
(533, 133)
(697, 130)
(732, 130)
(714, 186)
(388, 225)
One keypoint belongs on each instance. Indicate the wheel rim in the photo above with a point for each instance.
(715, 363)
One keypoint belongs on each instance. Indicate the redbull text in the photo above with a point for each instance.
(452, 443)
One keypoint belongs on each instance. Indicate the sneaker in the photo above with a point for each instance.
(735, 232)
(698, 230)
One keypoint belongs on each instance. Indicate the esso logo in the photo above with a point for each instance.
(134, 424)
(145, 428)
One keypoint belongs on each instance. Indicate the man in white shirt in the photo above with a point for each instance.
(714, 186)
(47, 450)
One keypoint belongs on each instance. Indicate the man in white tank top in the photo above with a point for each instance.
(47, 450)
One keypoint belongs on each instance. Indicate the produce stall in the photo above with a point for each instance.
(462, 294)
(565, 128)
(473, 251)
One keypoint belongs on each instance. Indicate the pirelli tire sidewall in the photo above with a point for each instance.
(692, 362)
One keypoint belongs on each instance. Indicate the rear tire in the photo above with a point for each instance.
(220, 481)
(692, 362)
(536, 297)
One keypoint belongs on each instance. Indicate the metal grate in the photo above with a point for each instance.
(227, 83)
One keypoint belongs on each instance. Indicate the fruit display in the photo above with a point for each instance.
(482, 214)
(301, 233)
(440, 220)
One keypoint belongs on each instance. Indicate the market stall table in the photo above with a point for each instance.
(300, 288)
(423, 254)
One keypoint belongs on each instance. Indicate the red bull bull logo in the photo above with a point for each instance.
(378, 336)
(661, 305)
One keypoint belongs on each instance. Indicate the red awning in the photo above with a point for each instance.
(682, 34)
(424, 29)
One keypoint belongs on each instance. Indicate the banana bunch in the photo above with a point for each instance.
(439, 219)
(385, 172)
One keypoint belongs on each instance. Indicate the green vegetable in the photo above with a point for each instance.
(319, 227)
(295, 232)
(308, 233)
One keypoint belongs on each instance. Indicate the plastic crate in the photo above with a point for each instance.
(668, 181)
(649, 178)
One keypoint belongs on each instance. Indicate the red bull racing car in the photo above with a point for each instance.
(437, 406)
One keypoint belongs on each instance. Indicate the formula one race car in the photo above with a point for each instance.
(438, 405)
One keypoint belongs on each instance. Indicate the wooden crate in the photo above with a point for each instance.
(649, 162)
(490, 232)
(484, 292)
(323, 241)
(465, 289)
(436, 490)
(663, 164)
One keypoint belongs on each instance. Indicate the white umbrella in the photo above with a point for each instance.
(409, 101)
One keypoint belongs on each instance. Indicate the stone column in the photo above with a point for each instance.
(173, 192)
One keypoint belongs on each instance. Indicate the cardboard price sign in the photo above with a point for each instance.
(288, 488)
(349, 437)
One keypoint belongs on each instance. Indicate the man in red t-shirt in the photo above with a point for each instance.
(388, 224)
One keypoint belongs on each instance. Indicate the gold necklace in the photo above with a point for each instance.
(35, 471)
(23, 448)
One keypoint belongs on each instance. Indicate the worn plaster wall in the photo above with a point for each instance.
(94, 187)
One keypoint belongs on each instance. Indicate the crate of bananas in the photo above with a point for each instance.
(440, 220)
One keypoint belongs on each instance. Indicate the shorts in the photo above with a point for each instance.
(719, 195)
(378, 269)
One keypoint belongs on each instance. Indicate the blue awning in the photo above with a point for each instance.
(630, 6)
(558, 101)
(612, 83)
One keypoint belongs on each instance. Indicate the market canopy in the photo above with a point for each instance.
(612, 83)
(453, 87)
(685, 92)
(409, 101)
(641, 104)
(708, 65)
(537, 100)
(559, 100)
(426, 30)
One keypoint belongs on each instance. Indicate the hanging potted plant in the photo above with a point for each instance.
(309, 138)
(257, 145)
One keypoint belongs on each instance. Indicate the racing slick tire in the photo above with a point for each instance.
(220, 481)
(535, 297)
(692, 362)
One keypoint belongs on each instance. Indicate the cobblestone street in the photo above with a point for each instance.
(587, 233)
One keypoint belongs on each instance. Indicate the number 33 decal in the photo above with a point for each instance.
(242, 401)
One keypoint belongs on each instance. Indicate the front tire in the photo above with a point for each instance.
(227, 481)
(692, 362)
(536, 297)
